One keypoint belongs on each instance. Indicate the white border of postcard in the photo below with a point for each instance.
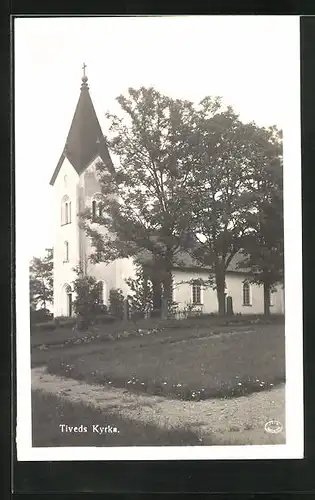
(293, 320)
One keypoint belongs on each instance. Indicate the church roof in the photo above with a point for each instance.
(85, 140)
(184, 261)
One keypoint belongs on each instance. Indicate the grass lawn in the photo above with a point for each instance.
(185, 363)
(49, 412)
(110, 331)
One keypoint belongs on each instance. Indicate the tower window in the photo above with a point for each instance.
(94, 208)
(66, 250)
(196, 293)
(100, 292)
(246, 294)
(65, 210)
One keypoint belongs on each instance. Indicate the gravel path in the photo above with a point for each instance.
(234, 421)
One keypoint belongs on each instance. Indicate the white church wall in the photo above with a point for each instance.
(65, 185)
(234, 284)
(182, 294)
(182, 291)
(234, 289)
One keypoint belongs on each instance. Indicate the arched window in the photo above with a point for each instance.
(246, 294)
(68, 304)
(196, 292)
(66, 250)
(94, 208)
(65, 210)
(96, 205)
(100, 292)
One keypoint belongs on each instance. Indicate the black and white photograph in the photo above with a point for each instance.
(158, 237)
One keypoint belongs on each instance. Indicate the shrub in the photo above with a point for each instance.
(116, 301)
(137, 315)
(87, 301)
(67, 322)
(104, 319)
(40, 315)
(156, 313)
(142, 292)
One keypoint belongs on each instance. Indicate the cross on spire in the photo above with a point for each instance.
(84, 78)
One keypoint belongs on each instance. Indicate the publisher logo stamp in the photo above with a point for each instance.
(273, 427)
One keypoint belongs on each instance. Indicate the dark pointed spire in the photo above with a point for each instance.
(85, 140)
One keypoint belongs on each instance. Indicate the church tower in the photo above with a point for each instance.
(76, 187)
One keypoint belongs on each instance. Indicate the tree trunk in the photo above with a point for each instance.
(220, 286)
(266, 299)
(167, 292)
(44, 295)
(157, 294)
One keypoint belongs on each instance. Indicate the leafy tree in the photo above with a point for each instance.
(87, 297)
(263, 248)
(141, 287)
(146, 203)
(116, 303)
(41, 280)
(233, 160)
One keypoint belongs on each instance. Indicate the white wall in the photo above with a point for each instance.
(182, 294)
(63, 271)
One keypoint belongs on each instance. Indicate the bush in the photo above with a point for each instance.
(137, 315)
(103, 319)
(40, 315)
(116, 301)
(67, 322)
(156, 313)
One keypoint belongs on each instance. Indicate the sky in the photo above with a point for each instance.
(244, 59)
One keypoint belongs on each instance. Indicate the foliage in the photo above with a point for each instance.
(263, 248)
(87, 296)
(41, 280)
(146, 204)
(116, 303)
(189, 179)
(234, 161)
(141, 299)
(40, 315)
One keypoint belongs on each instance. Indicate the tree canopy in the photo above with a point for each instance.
(190, 178)
(41, 280)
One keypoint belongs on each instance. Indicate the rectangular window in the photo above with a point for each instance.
(246, 294)
(196, 293)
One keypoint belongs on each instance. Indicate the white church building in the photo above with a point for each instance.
(76, 187)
